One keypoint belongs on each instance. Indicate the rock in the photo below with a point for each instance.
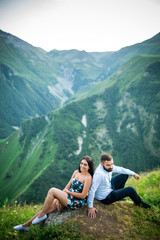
(60, 216)
(63, 215)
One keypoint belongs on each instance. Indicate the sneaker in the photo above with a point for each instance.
(38, 220)
(20, 227)
(144, 205)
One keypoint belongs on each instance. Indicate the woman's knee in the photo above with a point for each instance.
(51, 191)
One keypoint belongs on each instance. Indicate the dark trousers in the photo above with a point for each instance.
(119, 191)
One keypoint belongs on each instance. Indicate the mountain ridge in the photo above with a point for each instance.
(55, 78)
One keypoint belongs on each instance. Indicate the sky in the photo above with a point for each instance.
(90, 25)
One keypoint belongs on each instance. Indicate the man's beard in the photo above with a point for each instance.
(108, 170)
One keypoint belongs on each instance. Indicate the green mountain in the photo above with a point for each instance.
(34, 82)
(120, 116)
(116, 59)
(25, 74)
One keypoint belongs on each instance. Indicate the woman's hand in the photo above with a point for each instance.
(58, 204)
(66, 190)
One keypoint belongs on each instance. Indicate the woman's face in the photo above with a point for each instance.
(84, 167)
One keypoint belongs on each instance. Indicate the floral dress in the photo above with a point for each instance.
(76, 203)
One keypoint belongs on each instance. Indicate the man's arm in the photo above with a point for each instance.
(122, 170)
(125, 171)
(95, 183)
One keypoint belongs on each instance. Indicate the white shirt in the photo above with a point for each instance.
(101, 183)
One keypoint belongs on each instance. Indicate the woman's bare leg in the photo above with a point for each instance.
(52, 208)
(50, 204)
(52, 194)
(55, 206)
(28, 223)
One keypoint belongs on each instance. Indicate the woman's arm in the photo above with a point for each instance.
(83, 194)
(70, 181)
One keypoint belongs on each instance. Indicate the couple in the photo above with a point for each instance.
(103, 187)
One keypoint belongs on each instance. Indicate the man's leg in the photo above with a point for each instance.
(119, 194)
(127, 192)
(119, 181)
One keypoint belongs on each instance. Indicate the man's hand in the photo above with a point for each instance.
(92, 212)
(136, 176)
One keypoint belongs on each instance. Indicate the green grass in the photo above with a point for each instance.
(16, 214)
(138, 223)
(148, 187)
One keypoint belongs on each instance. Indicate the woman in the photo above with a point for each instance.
(73, 195)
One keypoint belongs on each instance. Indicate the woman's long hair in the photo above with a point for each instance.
(90, 164)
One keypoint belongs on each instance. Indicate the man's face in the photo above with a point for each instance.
(108, 165)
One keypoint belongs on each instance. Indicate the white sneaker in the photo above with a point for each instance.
(38, 220)
(20, 227)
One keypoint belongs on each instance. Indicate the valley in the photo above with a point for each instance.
(82, 110)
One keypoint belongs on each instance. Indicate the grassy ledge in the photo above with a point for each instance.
(121, 220)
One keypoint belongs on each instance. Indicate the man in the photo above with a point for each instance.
(108, 189)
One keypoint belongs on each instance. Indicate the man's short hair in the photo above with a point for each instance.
(106, 157)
